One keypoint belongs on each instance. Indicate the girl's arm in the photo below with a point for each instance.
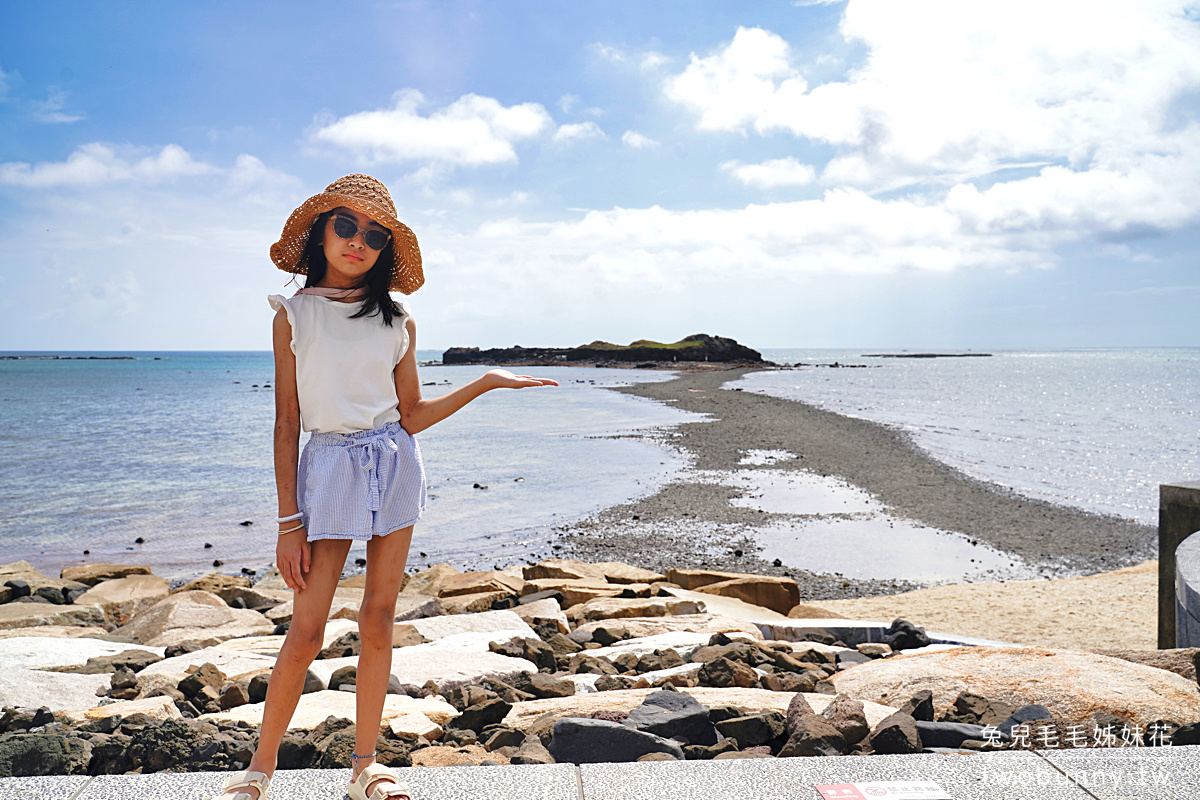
(293, 554)
(417, 414)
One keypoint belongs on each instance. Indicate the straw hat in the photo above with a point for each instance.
(367, 196)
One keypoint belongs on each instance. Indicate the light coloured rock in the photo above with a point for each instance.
(573, 590)
(434, 628)
(1073, 685)
(55, 632)
(56, 690)
(475, 641)
(547, 609)
(479, 582)
(314, 707)
(584, 681)
(272, 580)
(194, 616)
(696, 623)
(446, 668)
(92, 574)
(682, 642)
(345, 605)
(695, 578)
(123, 598)
(429, 581)
(158, 708)
(440, 755)
(269, 645)
(807, 611)
(752, 701)
(778, 594)
(568, 568)
(410, 725)
(729, 606)
(619, 607)
(32, 615)
(616, 572)
(25, 571)
(237, 587)
(232, 663)
(43, 653)
(471, 603)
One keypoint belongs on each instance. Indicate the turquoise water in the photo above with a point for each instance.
(175, 448)
(1094, 429)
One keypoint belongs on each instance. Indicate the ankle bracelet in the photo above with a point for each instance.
(355, 757)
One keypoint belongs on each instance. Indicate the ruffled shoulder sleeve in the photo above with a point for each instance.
(400, 323)
(277, 302)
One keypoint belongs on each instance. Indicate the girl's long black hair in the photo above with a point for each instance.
(376, 281)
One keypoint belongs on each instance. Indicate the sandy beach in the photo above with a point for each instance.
(692, 523)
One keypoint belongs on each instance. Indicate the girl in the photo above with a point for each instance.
(346, 368)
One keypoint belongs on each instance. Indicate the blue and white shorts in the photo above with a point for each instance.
(362, 484)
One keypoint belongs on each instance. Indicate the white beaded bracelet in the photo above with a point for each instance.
(295, 516)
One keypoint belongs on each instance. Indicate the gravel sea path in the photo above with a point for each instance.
(691, 522)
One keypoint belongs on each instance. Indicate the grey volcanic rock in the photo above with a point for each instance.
(812, 735)
(849, 717)
(595, 741)
(896, 734)
(903, 635)
(753, 730)
(920, 707)
(673, 714)
(949, 734)
(797, 709)
(477, 717)
(43, 754)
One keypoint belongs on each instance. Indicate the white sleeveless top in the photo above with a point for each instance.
(344, 366)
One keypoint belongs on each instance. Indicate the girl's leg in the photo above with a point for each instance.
(303, 643)
(386, 557)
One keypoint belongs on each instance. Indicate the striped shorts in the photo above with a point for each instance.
(362, 484)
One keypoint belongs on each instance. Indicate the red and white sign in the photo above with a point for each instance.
(887, 790)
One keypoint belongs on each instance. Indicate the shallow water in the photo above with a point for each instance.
(175, 448)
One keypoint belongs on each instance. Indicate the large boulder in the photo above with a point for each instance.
(695, 623)
(315, 707)
(33, 615)
(233, 663)
(564, 568)
(122, 598)
(778, 594)
(751, 701)
(575, 590)
(55, 690)
(43, 754)
(1071, 684)
(477, 582)
(617, 572)
(592, 741)
(48, 653)
(434, 628)
(672, 715)
(194, 616)
(447, 668)
(23, 570)
(156, 708)
(729, 606)
(620, 607)
(92, 574)
(429, 581)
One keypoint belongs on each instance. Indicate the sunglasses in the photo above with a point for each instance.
(347, 228)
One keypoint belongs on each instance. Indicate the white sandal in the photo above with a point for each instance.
(245, 780)
(390, 787)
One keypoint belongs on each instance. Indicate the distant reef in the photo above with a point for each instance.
(696, 348)
(927, 355)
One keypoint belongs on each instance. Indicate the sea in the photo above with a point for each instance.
(165, 458)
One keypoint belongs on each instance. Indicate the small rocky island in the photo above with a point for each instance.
(699, 347)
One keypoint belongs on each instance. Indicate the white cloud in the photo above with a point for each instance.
(95, 164)
(771, 174)
(6, 81)
(567, 102)
(472, 131)
(578, 131)
(637, 141)
(50, 110)
(653, 60)
(951, 89)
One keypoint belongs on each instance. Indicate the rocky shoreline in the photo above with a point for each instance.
(109, 670)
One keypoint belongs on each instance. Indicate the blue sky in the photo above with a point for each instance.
(886, 174)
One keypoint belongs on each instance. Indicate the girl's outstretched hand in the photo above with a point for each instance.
(503, 379)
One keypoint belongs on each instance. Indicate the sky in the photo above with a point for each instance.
(883, 174)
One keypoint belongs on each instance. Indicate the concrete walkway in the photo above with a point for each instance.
(1170, 773)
